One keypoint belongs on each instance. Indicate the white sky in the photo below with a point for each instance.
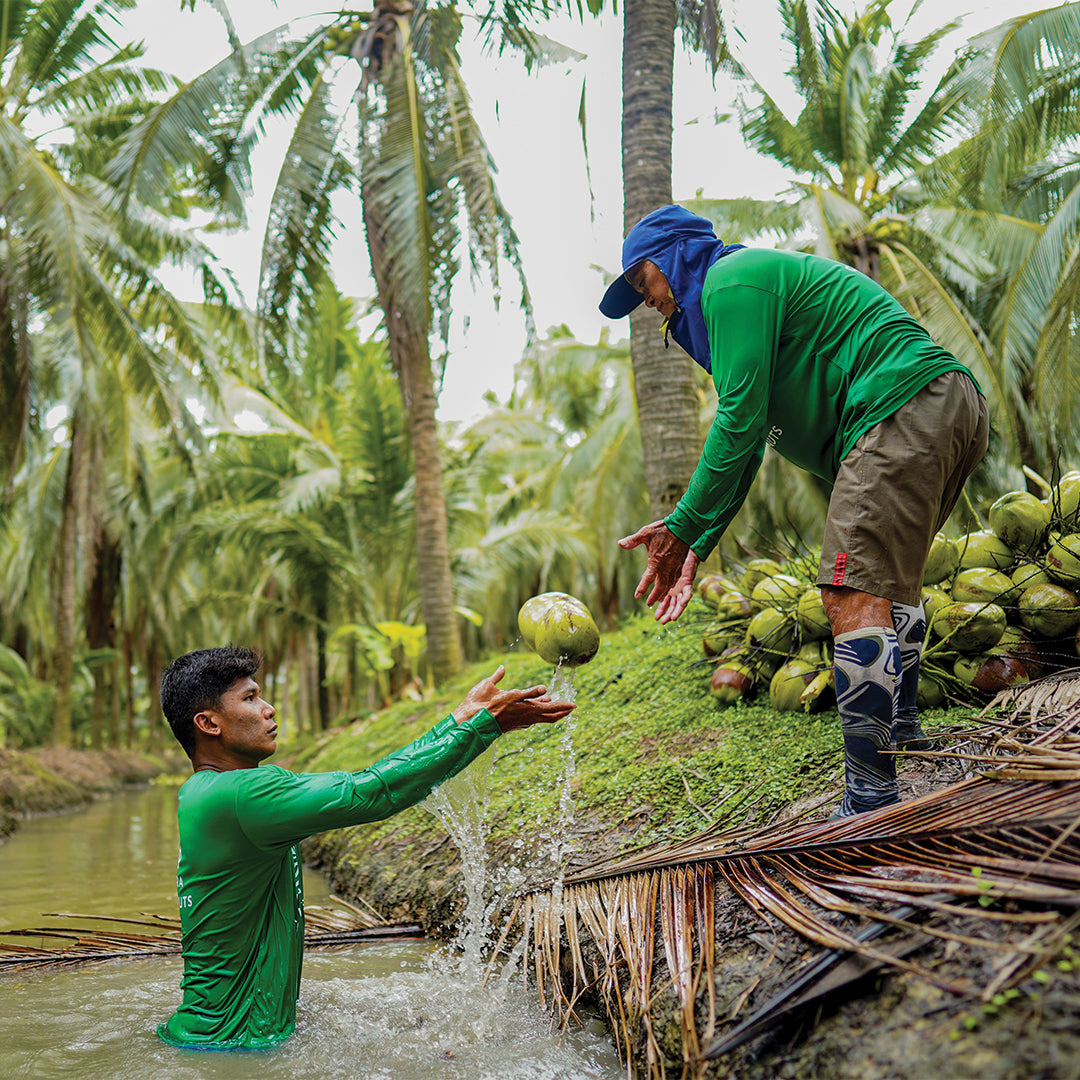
(530, 123)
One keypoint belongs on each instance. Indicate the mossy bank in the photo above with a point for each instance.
(51, 779)
(652, 756)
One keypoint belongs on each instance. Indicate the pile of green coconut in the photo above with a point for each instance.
(1002, 607)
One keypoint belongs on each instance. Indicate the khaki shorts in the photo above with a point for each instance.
(896, 487)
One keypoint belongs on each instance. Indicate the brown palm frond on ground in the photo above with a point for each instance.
(324, 927)
(687, 913)
(613, 912)
(1057, 694)
(1005, 837)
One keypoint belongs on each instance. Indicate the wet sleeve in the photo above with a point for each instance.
(744, 329)
(279, 808)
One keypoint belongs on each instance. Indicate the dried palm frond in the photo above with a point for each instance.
(1006, 834)
(324, 927)
(687, 907)
(1055, 694)
(613, 912)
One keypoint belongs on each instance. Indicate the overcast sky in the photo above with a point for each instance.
(530, 123)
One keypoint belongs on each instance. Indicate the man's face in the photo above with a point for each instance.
(246, 722)
(649, 280)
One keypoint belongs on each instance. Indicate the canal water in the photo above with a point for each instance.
(399, 1011)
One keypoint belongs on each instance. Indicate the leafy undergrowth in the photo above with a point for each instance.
(653, 758)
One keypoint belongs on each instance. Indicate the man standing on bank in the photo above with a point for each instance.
(814, 359)
(238, 879)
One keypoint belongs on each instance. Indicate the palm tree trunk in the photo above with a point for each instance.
(322, 690)
(64, 597)
(129, 690)
(115, 705)
(411, 359)
(432, 530)
(156, 736)
(104, 571)
(302, 710)
(663, 378)
(14, 376)
(97, 710)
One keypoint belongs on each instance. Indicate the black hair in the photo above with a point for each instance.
(197, 680)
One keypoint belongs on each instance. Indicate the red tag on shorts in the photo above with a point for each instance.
(840, 568)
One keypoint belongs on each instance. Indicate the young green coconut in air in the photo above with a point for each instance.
(559, 628)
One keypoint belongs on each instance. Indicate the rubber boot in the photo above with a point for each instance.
(910, 624)
(867, 668)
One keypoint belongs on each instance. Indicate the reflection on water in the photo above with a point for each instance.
(399, 1011)
(116, 857)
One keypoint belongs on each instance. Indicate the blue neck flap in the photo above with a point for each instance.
(684, 247)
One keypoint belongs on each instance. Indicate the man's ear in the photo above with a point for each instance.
(207, 722)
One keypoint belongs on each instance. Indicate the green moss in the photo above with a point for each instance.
(649, 743)
(647, 738)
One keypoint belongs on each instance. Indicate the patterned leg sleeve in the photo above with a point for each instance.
(867, 667)
(910, 624)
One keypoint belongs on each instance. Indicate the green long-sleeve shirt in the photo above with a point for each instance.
(807, 355)
(239, 883)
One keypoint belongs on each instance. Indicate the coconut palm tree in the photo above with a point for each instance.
(311, 515)
(72, 266)
(424, 177)
(27, 534)
(871, 187)
(1021, 167)
(664, 380)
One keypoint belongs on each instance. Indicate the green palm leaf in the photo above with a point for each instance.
(300, 225)
(198, 131)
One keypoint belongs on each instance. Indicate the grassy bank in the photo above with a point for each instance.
(653, 757)
(50, 779)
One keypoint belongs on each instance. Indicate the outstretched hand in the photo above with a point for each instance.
(670, 570)
(512, 709)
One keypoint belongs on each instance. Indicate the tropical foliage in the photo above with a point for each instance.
(955, 199)
(178, 474)
(406, 139)
(84, 320)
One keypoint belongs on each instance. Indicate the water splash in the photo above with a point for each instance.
(561, 685)
(461, 805)
(562, 688)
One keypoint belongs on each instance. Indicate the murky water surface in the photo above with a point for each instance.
(400, 1011)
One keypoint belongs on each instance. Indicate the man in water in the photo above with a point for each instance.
(816, 360)
(238, 878)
